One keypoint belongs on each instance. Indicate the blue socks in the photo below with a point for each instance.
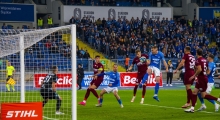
(100, 100)
(202, 100)
(119, 101)
(145, 78)
(156, 89)
(212, 101)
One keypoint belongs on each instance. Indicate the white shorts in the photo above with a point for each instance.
(111, 89)
(155, 70)
(209, 87)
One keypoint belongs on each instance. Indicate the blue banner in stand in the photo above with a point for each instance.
(210, 13)
(17, 12)
(86, 80)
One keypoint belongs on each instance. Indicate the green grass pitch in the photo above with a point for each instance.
(169, 107)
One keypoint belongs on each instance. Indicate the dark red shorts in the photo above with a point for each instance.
(140, 76)
(201, 84)
(97, 82)
(187, 75)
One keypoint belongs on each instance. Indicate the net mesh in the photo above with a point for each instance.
(10, 39)
(43, 49)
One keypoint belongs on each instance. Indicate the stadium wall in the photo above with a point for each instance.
(57, 13)
(192, 11)
(96, 12)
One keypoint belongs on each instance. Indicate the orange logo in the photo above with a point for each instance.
(22, 111)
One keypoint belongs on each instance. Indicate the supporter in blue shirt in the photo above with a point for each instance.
(4, 26)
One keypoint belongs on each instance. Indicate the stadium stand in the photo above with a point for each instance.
(124, 37)
(117, 38)
(145, 3)
(121, 38)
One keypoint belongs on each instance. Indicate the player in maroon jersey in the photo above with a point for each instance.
(141, 61)
(95, 83)
(188, 61)
(202, 80)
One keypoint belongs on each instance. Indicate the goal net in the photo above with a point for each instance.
(32, 53)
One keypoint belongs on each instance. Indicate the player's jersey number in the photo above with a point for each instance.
(213, 72)
(192, 62)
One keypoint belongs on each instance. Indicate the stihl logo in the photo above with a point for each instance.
(61, 81)
(22, 111)
(25, 113)
(128, 80)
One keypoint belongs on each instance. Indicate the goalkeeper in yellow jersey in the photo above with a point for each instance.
(10, 81)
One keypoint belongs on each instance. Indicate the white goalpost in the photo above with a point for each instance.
(32, 53)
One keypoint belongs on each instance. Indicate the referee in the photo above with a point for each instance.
(48, 89)
(9, 71)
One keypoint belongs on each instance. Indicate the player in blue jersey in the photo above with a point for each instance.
(112, 87)
(155, 57)
(210, 75)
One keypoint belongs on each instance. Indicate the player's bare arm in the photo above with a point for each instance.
(165, 64)
(198, 70)
(130, 67)
(54, 86)
(180, 65)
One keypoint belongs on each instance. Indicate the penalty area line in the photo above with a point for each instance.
(177, 108)
(49, 118)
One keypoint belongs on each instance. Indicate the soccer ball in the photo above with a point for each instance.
(142, 59)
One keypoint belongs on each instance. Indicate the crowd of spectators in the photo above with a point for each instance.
(55, 46)
(109, 2)
(117, 38)
(153, 3)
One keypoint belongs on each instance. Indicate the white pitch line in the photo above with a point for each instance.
(177, 108)
(49, 118)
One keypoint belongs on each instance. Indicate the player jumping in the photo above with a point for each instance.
(202, 80)
(155, 57)
(188, 61)
(112, 87)
(210, 74)
(141, 61)
(48, 89)
(95, 83)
